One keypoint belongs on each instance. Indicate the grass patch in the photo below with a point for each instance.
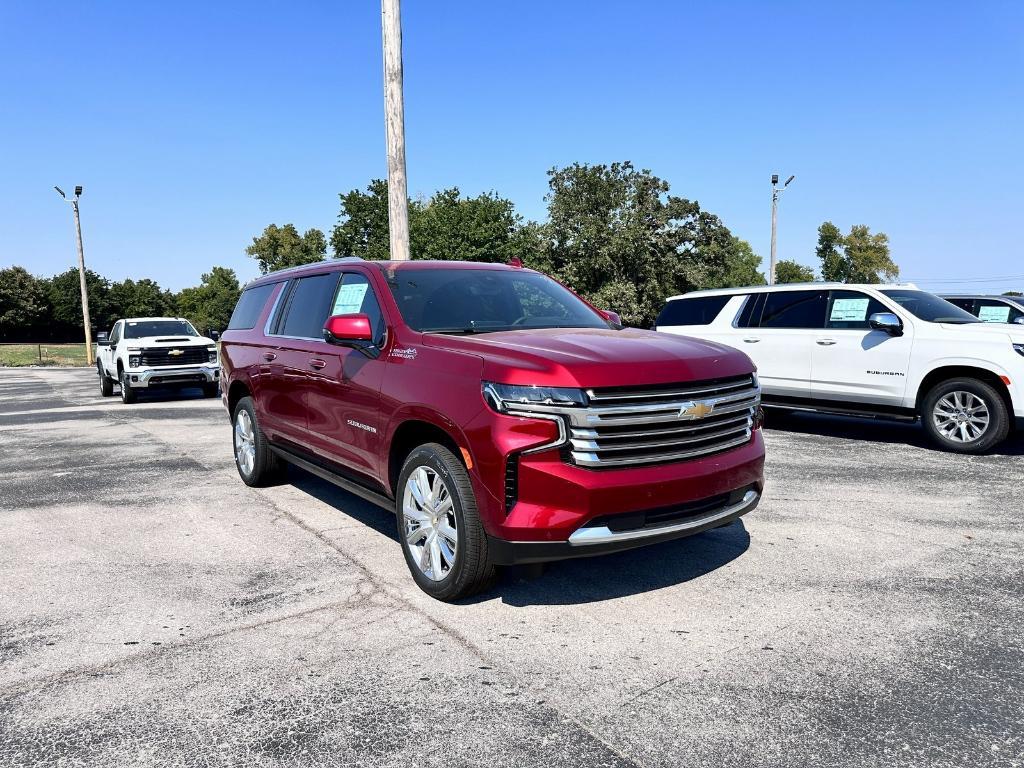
(15, 355)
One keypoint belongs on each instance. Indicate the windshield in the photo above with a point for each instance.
(483, 300)
(929, 307)
(139, 329)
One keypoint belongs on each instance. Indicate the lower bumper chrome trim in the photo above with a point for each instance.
(585, 536)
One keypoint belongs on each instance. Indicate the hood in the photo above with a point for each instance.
(595, 357)
(988, 331)
(170, 341)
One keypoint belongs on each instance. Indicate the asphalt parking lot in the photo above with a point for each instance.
(156, 611)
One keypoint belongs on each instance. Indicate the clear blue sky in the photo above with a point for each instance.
(194, 125)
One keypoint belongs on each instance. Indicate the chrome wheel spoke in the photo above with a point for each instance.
(961, 416)
(429, 524)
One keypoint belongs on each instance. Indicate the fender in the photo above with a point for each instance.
(1016, 378)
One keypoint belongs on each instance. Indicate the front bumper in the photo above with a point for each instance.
(592, 540)
(184, 376)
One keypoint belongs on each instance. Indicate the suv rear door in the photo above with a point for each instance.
(851, 362)
(779, 335)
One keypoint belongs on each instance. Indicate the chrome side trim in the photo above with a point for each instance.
(583, 537)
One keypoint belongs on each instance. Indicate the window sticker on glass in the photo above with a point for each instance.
(994, 314)
(849, 310)
(350, 299)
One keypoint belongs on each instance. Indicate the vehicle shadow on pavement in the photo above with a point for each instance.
(155, 395)
(568, 582)
(870, 430)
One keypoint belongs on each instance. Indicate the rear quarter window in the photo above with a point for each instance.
(250, 305)
(700, 310)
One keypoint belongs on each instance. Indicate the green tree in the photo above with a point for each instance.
(363, 229)
(858, 257)
(141, 298)
(281, 247)
(618, 237)
(791, 272)
(1013, 293)
(24, 304)
(741, 268)
(66, 300)
(209, 305)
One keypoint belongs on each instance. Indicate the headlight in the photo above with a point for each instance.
(212, 354)
(134, 361)
(1019, 348)
(506, 398)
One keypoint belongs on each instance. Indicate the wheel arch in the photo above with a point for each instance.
(416, 429)
(236, 392)
(947, 372)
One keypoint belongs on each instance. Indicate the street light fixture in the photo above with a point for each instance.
(776, 191)
(81, 269)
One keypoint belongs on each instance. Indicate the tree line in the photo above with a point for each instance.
(614, 233)
(34, 309)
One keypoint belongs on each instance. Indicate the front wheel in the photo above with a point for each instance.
(439, 527)
(128, 395)
(965, 416)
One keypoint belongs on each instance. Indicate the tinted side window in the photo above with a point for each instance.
(850, 310)
(309, 306)
(115, 335)
(996, 311)
(967, 304)
(696, 311)
(356, 297)
(250, 304)
(794, 309)
(750, 316)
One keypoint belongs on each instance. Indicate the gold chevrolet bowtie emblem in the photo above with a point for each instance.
(696, 411)
(176, 352)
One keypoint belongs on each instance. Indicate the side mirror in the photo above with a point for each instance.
(348, 330)
(611, 317)
(102, 339)
(215, 335)
(886, 321)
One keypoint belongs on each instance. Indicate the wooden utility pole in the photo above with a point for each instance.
(81, 272)
(394, 118)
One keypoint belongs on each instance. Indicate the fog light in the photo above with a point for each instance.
(758, 417)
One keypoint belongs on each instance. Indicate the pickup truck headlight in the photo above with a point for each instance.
(1019, 348)
(509, 398)
(211, 353)
(134, 361)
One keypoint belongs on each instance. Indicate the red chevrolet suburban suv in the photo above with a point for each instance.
(500, 416)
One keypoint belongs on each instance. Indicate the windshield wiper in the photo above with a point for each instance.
(467, 329)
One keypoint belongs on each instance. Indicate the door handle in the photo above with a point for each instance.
(317, 363)
(826, 342)
(269, 356)
(751, 340)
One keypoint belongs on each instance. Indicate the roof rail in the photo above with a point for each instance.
(288, 270)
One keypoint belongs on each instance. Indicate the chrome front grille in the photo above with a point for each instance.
(625, 427)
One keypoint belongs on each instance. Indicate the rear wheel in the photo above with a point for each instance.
(257, 465)
(439, 527)
(965, 416)
(106, 385)
(128, 395)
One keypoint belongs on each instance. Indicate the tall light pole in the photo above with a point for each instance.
(776, 191)
(81, 270)
(394, 118)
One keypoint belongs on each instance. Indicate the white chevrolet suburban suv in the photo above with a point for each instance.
(869, 350)
(142, 352)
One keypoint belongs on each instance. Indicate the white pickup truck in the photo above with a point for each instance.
(142, 352)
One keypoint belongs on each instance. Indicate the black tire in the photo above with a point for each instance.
(998, 426)
(128, 395)
(267, 468)
(106, 385)
(471, 572)
(211, 390)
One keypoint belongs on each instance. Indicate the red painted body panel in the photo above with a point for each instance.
(349, 409)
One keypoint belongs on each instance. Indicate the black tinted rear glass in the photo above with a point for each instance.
(250, 305)
(794, 309)
(929, 307)
(309, 306)
(700, 310)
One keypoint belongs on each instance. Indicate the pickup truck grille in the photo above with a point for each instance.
(160, 356)
(625, 427)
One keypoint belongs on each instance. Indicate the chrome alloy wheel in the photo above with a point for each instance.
(429, 524)
(962, 417)
(245, 442)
